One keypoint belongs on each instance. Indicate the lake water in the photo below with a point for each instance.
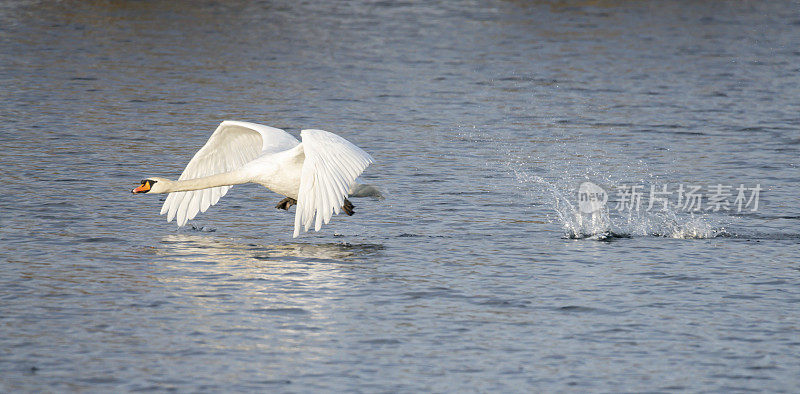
(479, 271)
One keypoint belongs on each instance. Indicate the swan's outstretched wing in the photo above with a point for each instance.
(232, 145)
(331, 165)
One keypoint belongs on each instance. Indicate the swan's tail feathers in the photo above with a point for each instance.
(330, 169)
(364, 190)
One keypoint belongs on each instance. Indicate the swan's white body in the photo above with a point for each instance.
(319, 173)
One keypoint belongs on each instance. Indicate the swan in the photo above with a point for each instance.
(316, 174)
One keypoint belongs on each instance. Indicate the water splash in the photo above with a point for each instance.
(549, 177)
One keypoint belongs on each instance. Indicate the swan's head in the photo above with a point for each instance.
(151, 185)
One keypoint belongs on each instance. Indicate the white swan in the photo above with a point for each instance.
(317, 174)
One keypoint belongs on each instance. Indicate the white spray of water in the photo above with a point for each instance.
(550, 176)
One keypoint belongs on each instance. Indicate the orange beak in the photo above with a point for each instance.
(143, 188)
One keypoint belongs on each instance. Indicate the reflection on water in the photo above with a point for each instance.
(266, 279)
(186, 246)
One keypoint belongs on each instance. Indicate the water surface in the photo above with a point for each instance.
(476, 272)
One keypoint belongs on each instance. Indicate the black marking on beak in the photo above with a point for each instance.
(145, 187)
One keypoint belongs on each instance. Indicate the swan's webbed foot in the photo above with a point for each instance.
(286, 203)
(348, 207)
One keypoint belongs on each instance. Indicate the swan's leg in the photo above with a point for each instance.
(286, 203)
(348, 207)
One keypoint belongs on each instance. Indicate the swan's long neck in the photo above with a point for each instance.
(224, 179)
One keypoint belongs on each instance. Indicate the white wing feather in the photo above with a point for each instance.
(232, 145)
(330, 167)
